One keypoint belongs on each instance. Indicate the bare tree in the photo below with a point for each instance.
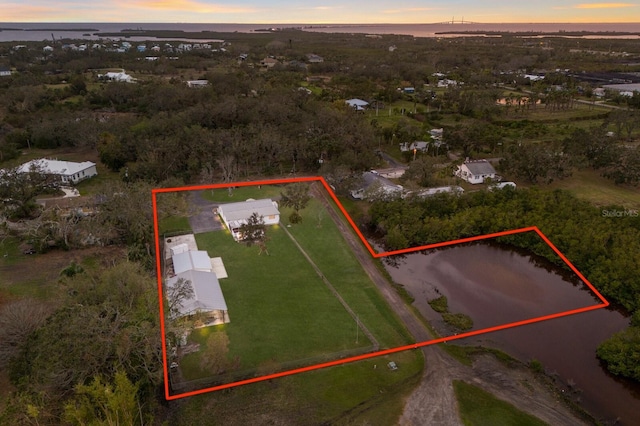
(17, 321)
(177, 294)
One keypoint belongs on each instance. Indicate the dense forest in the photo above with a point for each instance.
(90, 352)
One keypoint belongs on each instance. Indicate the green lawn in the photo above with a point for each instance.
(478, 407)
(174, 224)
(326, 246)
(242, 193)
(280, 309)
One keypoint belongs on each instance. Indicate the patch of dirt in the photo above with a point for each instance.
(46, 267)
(434, 401)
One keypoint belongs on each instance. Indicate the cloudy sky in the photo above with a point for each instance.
(317, 11)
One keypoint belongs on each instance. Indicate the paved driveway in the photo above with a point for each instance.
(201, 217)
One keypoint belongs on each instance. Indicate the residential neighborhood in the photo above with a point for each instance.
(239, 224)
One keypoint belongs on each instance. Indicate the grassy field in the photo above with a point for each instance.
(241, 193)
(326, 247)
(280, 309)
(478, 408)
(590, 186)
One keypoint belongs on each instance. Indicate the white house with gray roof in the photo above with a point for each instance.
(68, 171)
(475, 171)
(357, 104)
(234, 215)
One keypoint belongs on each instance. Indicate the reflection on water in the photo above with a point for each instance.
(496, 285)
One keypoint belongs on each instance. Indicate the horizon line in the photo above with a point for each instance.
(328, 23)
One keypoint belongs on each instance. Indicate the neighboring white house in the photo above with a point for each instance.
(5, 72)
(234, 215)
(68, 171)
(534, 77)
(207, 296)
(357, 104)
(121, 77)
(475, 171)
(421, 146)
(197, 83)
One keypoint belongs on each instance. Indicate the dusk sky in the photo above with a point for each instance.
(315, 12)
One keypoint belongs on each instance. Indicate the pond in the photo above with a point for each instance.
(494, 285)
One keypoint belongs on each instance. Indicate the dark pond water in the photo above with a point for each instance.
(495, 285)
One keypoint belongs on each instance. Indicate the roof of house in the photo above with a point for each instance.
(629, 87)
(243, 210)
(207, 295)
(65, 168)
(191, 260)
(480, 167)
(372, 177)
(357, 102)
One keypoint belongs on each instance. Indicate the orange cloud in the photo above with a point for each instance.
(15, 12)
(604, 5)
(183, 6)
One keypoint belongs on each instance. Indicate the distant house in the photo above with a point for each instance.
(623, 89)
(447, 83)
(4, 72)
(207, 297)
(312, 58)
(234, 215)
(376, 187)
(121, 77)
(392, 48)
(534, 77)
(68, 171)
(409, 90)
(421, 146)
(269, 62)
(197, 83)
(475, 171)
(357, 104)
(47, 49)
(436, 134)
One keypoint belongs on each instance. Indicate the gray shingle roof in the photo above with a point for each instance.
(481, 167)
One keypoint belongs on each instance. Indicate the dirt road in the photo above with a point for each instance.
(433, 402)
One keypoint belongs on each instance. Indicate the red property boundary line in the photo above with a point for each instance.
(604, 303)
